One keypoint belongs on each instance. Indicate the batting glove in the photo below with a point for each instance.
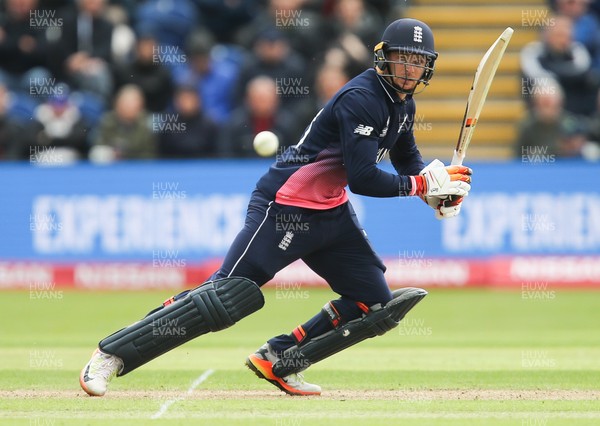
(442, 181)
(445, 207)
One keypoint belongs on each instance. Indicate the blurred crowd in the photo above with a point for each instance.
(138, 79)
(561, 82)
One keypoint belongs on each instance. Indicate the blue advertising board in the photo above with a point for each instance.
(130, 210)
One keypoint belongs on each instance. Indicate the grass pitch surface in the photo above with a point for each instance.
(462, 357)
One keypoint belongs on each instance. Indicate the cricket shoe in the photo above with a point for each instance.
(262, 361)
(98, 372)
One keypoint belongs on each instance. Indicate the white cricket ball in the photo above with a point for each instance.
(266, 143)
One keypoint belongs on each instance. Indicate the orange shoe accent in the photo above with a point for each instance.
(85, 388)
(82, 384)
(264, 370)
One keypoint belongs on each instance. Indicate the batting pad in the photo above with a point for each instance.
(379, 320)
(213, 306)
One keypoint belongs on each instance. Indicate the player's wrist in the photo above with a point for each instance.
(418, 185)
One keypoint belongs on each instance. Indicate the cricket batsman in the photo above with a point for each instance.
(369, 118)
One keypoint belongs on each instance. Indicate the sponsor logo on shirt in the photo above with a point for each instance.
(361, 129)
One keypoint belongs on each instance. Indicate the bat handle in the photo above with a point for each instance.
(457, 159)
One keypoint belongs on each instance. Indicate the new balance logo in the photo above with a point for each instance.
(285, 242)
(361, 129)
(418, 34)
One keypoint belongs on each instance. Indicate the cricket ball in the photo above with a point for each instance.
(266, 143)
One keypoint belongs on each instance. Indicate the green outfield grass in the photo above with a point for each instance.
(462, 357)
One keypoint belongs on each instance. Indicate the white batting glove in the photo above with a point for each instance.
(447, 206)
(442, 181)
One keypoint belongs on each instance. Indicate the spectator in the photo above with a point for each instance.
(352, 47)
(594, 8)
(273, 56)
(126, 128)
(15, 139)
(348, 53)
(224, 18)
(261, 112)
(22, 47)
(193, 134)
(123, 36)
(306, 30)
(171, 21)
(149, 73)
(592, 150)
(559, 58)
(54, 4)
(82, 52)
(586, 26)
(385, 10)
(548, 131)
(61, 126)
(8, 129)
(574, 141)
(329, 80)
(213, 77)
(353, 16)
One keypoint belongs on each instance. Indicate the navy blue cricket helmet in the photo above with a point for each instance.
(410, 37)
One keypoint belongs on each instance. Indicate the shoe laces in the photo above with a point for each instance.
(108, 367)
(296, 377)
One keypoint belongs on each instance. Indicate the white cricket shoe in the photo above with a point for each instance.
(98, 372)
(261, 362)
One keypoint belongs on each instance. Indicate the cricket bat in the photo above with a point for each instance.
(479, 89)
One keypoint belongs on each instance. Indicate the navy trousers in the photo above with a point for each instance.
(331, 242)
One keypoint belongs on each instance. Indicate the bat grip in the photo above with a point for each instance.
(457, 159)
